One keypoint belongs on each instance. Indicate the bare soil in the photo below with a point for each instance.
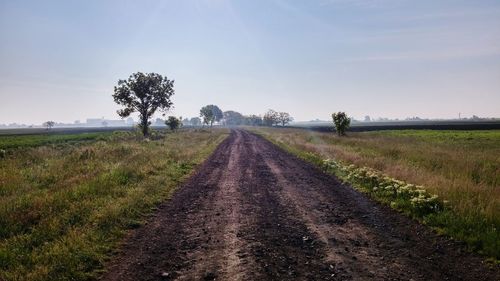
(255, 212)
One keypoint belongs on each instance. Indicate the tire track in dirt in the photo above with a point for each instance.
(221, 224)
(348, 243)
(255, 212)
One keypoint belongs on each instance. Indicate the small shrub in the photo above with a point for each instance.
(173, 123)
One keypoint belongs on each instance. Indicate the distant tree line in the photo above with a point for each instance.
(211, 114)
(146, 93)
(274, 118)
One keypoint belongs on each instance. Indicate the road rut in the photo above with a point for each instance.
(255, 212)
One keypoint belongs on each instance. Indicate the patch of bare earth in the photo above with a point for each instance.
(255, 212)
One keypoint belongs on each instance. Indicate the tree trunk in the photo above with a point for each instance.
(144, 125)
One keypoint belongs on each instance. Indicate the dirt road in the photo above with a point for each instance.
(254, 212)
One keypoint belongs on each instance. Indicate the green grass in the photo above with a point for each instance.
(22, 141)
(479, 140)
(460, 167)
(64, 207)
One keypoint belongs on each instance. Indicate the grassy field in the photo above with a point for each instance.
(20, 141)
(66, 200)
(461, 167)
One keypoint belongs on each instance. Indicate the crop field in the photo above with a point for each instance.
(67, 199)
(8, 142)
(456, 172)
(462, 125)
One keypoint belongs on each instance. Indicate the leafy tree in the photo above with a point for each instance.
(49, 124)
(195, 121)
(233, 118)
(270, 118)
(341, 122)
(186, 121)
(173, 123)
(144, 93)
(284, 118)
(211, 113)
(253, 120)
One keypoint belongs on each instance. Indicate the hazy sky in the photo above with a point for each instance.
(59, 60)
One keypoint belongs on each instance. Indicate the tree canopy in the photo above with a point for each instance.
(284, 118)
(49, 124)
(253, 120)
(173, 123)
(195, 121)
(233, 118)
(144, 93)
(341, 122)
(274, 118)
(270, 118)
(210, 114)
